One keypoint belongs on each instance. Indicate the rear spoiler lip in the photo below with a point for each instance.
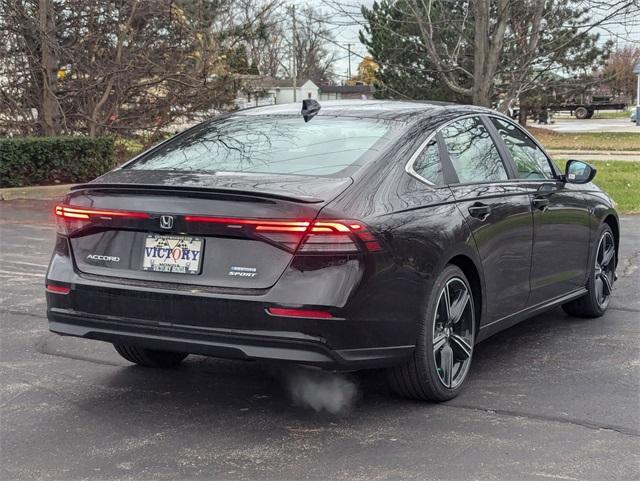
(201, 190)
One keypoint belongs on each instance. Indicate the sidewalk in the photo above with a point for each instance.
(35, 192)
(625, 155)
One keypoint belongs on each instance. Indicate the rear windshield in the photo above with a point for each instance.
(270, 144)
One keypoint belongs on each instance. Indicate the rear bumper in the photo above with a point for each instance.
(225, 343)
(373, 324)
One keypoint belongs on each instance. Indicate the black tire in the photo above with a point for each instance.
(592, 304)
(581, 113)
(420, 377)
(590, 114)
(150, 357)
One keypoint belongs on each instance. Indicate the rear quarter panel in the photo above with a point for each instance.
(420, 229)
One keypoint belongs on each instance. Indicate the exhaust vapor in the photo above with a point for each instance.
(321, 390)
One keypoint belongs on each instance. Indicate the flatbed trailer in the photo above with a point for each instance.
(586, 110)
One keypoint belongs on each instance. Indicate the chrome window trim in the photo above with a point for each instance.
(409, 166)
(506, 119)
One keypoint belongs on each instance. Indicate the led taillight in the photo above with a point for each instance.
(340, 237)
(71, 212)
(304, 236)
(70, 218)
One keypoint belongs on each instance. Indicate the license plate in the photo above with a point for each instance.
(173, 254)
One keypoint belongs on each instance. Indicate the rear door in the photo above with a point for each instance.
(561, 218)
(497, 210)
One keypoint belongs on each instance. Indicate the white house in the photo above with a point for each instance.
(283, 91)
(342, 92)
(268, 91)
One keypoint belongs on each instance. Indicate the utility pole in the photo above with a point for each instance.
(349, 74)
(48, 68)
(294, 67)
(636, 70)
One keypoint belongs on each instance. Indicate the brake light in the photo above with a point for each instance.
(70, 218)
(306, 236)
(309, 314)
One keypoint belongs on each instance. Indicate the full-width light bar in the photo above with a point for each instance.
(260, 225)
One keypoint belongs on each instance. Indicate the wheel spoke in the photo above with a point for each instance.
(458, 306)
(607, 256)
(447, 301)
(599, 289)
(462, 346)
(439, 342)
(446, 361)
(607, 288)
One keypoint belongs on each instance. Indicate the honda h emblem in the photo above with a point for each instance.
(166, 221)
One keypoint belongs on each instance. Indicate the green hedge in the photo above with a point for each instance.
(50, 160)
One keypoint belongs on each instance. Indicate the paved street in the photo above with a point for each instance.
(569, 124)
(552, 398)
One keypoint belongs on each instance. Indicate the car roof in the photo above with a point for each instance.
(400, 110)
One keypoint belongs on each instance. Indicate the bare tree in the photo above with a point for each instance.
(113, 66)
(485, 51)
(618, 71)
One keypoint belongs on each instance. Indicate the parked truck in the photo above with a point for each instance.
(586, 109)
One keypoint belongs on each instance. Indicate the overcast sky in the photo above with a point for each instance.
(624, 31)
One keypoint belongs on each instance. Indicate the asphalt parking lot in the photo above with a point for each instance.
(552, 398)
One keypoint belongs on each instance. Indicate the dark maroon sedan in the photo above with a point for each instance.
(358, 235)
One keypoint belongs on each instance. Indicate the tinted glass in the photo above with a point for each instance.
(428, 165)
(269, 144)
(472, 152)
(530, 161)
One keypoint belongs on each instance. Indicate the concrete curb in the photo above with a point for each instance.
(609, 153)
(626, 156)
(35, 192)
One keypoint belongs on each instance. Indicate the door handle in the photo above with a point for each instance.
(480, 211)
(540, 203)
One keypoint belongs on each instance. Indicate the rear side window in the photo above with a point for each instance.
(530, 161)
(428, 166)
(474, 156)
(269, 144)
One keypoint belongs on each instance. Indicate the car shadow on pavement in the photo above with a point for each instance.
(205, 390)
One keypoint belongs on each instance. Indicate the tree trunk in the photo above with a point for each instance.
(481, 40)
(522, 115)
(488, 41)
(48, 108)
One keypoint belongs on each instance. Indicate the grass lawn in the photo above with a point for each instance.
(621, 179)
(612, 114)
(587, 140)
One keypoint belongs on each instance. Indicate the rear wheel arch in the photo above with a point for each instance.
(612, 222)
(472, 272)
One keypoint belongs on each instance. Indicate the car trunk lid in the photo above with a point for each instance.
(217, 230)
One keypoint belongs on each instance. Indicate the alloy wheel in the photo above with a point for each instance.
(604, 269)
(453, 332)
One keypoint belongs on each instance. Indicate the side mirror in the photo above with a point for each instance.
(578, 172)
